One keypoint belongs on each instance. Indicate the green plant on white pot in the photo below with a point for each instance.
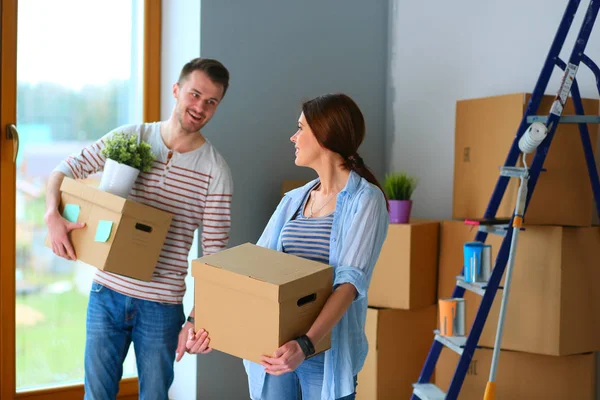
(399, 187)
(126, 157)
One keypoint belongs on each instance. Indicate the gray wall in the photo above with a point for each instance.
(280, 53)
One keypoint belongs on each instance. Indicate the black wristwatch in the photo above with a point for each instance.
(191, 319)
(306, 345)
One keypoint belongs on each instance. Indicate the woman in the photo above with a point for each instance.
(347, 233)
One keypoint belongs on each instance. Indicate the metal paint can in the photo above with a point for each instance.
(477, 264)
(452, 317)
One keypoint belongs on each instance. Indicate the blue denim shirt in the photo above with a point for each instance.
(360, 225)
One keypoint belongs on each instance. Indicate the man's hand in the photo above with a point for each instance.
(58, 229)
(285, 359)
(182, 339)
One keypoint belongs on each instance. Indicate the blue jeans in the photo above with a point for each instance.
(114, 321)
(305, 383)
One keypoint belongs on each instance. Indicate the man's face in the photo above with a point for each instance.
(197, 100)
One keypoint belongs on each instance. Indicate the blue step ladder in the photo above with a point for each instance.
(465, 346)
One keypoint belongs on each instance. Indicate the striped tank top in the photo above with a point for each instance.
(308, 237)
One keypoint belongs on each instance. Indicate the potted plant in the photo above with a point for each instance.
(399, 188)
(125, 159)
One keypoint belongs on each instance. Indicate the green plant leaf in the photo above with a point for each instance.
(124, 149)
(400, 186)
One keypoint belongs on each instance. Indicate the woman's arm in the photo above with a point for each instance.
(289, 356)
(362, 244)
(334, 309)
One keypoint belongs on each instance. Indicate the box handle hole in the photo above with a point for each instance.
(307, 299)
(143, 228)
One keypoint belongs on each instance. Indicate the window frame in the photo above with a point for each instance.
(8, 115)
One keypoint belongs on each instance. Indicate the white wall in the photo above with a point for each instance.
(457, 50)
(180, 43)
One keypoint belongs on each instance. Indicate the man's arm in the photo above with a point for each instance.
(78, 166)
(53, 192)
(216, 224)
(58, 227)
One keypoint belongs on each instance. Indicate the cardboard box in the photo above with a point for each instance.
(405, 275)
(252, 300)
(522, 376)
(286, 186)
(399, 341)
(120, 236)
(485, 129)
(554, 304)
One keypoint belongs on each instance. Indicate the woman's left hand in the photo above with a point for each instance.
(285, 359)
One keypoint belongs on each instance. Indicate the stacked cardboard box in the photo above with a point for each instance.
(286, 186)
(402, 311)
(553, 313)
(485, 130)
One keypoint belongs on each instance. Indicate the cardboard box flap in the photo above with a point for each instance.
(93, 195)
(263, 264)
(116, 203)
(308, 288)
(217, 276)
(283, 276)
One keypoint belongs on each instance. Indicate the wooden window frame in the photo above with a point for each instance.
(8, 115)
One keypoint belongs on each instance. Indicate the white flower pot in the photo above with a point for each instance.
(117, 178)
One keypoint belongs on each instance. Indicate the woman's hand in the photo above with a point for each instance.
(198, 343)
(285, 359)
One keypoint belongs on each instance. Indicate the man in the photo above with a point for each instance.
(190, 180)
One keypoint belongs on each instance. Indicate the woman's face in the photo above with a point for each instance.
(308, 149)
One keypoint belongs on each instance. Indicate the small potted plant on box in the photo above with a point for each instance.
(126, 157)
(399, 188)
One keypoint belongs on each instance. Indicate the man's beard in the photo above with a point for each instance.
(193, 126)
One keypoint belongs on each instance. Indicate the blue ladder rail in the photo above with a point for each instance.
(424, 389)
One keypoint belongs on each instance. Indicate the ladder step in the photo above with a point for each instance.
(567, 119)
(475, 287)
(428, 391)
(494, 229)
(454, 343)
(514, 172)
(487, 221)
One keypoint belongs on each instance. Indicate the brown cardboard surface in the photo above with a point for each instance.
(251, 299)
(137, 235)
(399, 341)
(553, 307)
(286, 186)
(405, 275)
(485, 129)
(523, 376)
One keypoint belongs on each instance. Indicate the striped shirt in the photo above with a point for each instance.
(195, 187)
(308, 237)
